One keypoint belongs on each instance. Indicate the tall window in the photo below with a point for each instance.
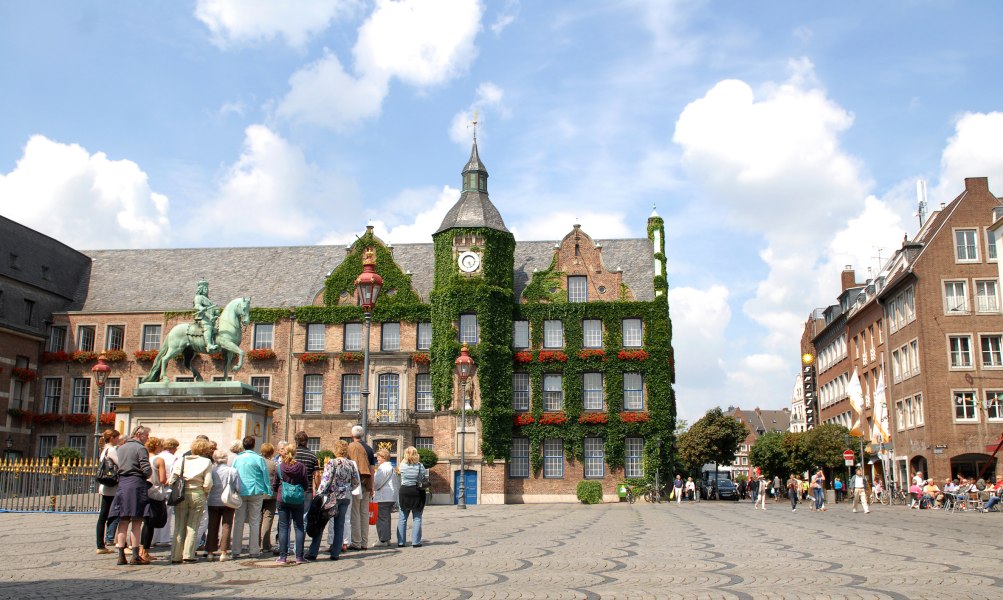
(390, 337)
(388, 397)
(151, 337)
(553, 394)
(468, 329)
(994, 405)
(964, 406)
(85, 338)
(263, 385)
(992, 353)
(81, 395)
(313, 444)
(965, 246)
(520, 392)
(519, 467)
(991, 245)
(553, 458)
(633, 391)
(961, 351)
(353, 337)
(594, 458)
(424, 442)
(423, 392)
(917, 409)
(424, 336)
(351, 392)
(53, 395)
(592, 333)
(592, 391)
(578, 289)
(520, 334)
(78, 443)
(264, 336)
(46, 443)
(900, 415)
(633, 466)
(112, 388)
(632, 337)
(29, 312)
(315, 337)
(987, 296)
(553, 334)
(914, 348)
(114, 337)
(57, 339)
(955, 297)
(313, 393)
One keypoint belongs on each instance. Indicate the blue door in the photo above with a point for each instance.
(470, 487)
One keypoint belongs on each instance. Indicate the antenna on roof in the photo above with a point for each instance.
(921, 200)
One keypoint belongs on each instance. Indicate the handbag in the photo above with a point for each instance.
(107, 472)
(230, 498)
(157, 493)
(423, 483)
(158, 514)
(374, 511)
(292, 493)
(176, 489)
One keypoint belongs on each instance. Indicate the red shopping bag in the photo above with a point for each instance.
(373, 510)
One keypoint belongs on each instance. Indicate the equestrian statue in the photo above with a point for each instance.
(212, 331)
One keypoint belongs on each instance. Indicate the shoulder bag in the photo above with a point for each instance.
(423, 482)
(230, 498)
(176, 489)
(107, 472)
(292, 493)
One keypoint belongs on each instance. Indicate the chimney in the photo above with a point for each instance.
(848, 278)
(977, 184)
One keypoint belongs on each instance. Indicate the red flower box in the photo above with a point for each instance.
(547, 356)
(51, 357)
(524, 419)
(553, 419)
(25, 375)
(217, 355)
(523, 358)
(261, 354)
(594, 418)
(83, 356)
(145, 355)
(350, 357)
(107, 418)
(592, 353)
(421, 358)
(47, 419)
(313, 357)
(115, 355)
(635, 417)
(79, 419)
(636, 355)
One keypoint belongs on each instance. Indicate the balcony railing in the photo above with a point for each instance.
(391, 416)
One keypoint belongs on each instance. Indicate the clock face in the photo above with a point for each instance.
(469, 262)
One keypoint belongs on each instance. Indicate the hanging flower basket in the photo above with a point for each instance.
(261, 354)
(553, 419)
(83, 356)
(523, 358)
(635, 417)
(115, 355)
(552, 356)
(420, 358)
(594, 418)
(79, 419)
(347, 357)
(593, 353)
(51, 357)
(107, 418)
(635, 355)
(145, 355)
(312, 358)
(524, 419)
(25, 375)
(47, 419)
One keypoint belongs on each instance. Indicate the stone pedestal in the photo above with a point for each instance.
(223, 410)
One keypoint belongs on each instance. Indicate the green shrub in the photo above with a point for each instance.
(65, 453)
(589, 492)
(428, 457)
(323, 456)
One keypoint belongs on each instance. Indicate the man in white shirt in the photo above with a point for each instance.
(859, 486)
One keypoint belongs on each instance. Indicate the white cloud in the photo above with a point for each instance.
(273, 188)
(419, 230)
(975, 150)
(84, 200)
(700, 319)
(234, 22)
(417, 42)
(506, 16)
(489, 98)
(545, 225)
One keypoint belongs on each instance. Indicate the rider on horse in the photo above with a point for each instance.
(206, 312)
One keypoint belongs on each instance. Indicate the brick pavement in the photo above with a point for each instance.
(705, 550)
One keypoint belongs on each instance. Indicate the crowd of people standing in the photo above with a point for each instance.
(206, 502)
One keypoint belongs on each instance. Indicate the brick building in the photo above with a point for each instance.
(571, 339)
(757, 421)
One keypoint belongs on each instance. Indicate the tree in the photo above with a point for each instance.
(770, 454)
(714, 438)
(825, 445)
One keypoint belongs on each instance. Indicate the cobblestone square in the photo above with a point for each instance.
(703, 550)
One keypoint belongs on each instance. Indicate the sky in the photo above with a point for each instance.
(779, 140)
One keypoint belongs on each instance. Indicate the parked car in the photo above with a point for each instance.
(726, 489)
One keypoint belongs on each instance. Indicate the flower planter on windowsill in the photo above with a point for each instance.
(553, 419)
(313, 358)
(635, 417)
(145, 355)
(25, 375)
(261, 354)
(350, 357)
(79, 419)
(115, 355)
(83, 356)
(51, 357)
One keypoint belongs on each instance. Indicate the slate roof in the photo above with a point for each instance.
(473, 209)
(164, 279)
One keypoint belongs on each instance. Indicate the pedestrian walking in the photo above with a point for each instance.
(793, 488)
(677, 488)
(761, 499)
(859, 486)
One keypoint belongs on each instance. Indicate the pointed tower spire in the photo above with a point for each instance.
(474, 208)
(475, 176)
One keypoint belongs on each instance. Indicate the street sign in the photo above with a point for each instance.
(848, 455)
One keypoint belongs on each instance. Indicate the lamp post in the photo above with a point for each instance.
(464, 366)
(100, 372)
(368, 284)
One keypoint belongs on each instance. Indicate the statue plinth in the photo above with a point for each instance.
(195, 389)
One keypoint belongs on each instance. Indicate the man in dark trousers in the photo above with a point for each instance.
(360, 452)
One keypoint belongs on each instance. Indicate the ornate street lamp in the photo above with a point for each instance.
(100, 372)
(464, 367)
(368, 284)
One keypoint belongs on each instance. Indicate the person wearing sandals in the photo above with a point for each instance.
(412, 499)
(106, 527)
(290, 485)
(196, 469)
(220, 530)
(130, 501)
(340, 477)
(384, 494)
(156, 509)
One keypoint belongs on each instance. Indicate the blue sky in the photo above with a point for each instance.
(779, 140)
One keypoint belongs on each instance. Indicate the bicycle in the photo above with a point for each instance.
(655, 494)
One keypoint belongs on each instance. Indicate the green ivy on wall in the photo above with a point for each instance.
(269, 315)
(397, 290)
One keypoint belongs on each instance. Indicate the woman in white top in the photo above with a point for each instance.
(196, 468)
(105, 529)
(384, 494)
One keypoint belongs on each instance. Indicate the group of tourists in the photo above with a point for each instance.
(926, 494)
(200, 503)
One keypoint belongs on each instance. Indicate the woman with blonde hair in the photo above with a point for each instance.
(156, 510)
(340, 477)
(196, 469)
(105, 527)
(290, 485)
(412, 498)
(220, 515)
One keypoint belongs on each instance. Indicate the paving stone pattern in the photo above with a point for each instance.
(703, 550)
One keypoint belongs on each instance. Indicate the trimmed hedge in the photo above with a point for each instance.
(589, 492)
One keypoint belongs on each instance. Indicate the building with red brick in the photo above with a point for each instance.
(757, 421)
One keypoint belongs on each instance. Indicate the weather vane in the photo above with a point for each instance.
(474, 124)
